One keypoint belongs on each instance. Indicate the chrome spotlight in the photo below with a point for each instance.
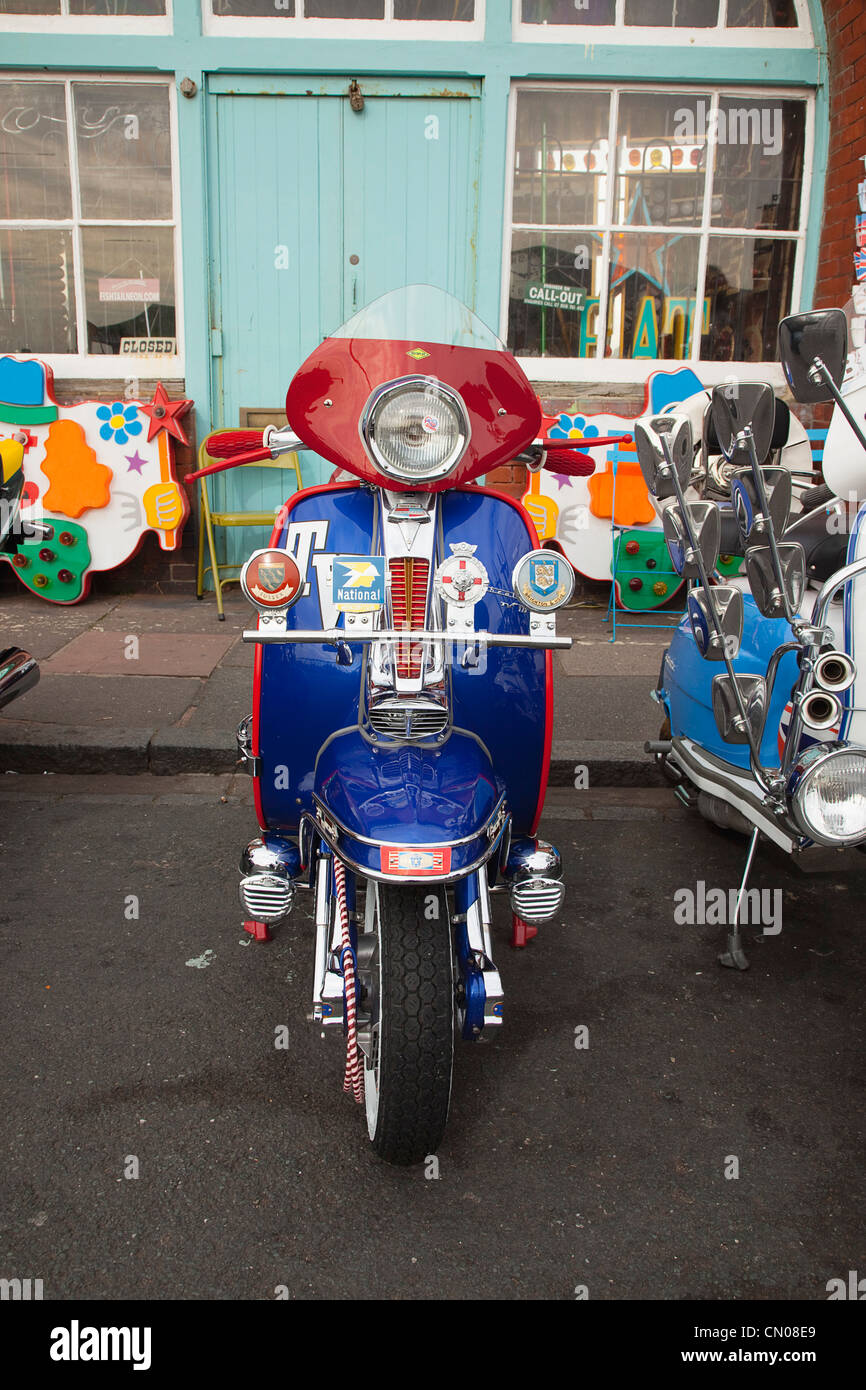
(267, 868)
(534, 874)
(835, 671)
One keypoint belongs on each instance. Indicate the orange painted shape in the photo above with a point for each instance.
(633, 505)
(542, 509)
(78, 482)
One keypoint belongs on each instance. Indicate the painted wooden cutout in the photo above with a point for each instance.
(576, 512)
(100, 473)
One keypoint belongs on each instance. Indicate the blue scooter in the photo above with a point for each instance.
(401, 726)
(764, 731)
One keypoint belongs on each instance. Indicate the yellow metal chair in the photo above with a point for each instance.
(208, 519)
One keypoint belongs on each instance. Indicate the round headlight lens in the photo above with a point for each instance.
(416, 429)
(828, 794)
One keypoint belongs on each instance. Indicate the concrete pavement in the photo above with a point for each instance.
(156, 684)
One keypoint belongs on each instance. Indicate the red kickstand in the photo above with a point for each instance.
(521, 932)
(259, 930)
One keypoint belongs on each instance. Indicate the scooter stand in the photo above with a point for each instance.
(735, 957)
(521, 932)
(259, 931)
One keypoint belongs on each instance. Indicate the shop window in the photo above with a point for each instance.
(663, 14)
(87, 232)
(654, 225)
(310, 14)
(100, 9)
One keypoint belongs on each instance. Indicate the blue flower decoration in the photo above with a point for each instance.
(574, 427)
(120, 422)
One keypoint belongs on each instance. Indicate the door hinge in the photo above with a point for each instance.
(216, 342)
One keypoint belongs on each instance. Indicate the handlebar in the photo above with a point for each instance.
(234, 442)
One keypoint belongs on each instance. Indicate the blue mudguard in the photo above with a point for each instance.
(501, 709)
(687, 684)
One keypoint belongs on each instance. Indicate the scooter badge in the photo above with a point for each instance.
(543, 581)
(271, 579)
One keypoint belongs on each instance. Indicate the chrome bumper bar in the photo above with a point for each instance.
(466, 639)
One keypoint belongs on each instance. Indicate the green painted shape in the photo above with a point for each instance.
(653, 547)
(28, 414)
(729, 565)
(75, 558)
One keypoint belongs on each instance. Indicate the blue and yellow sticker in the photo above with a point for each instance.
(358, 583)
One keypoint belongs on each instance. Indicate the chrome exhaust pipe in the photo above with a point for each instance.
(820, 710)
(834, 671)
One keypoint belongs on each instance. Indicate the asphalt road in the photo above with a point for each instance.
(604, 1166)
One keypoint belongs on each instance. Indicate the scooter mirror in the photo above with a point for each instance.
(725, 603)
(748, 404)
(726, 710)
(753, 524)
(651, 453)
(822, 334)
(764, 581)
(707, 528)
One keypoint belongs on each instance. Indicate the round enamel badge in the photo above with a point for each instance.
(543, 580)
(271, 579)
(462, 579)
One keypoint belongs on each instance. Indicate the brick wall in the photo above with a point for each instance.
(846, 35)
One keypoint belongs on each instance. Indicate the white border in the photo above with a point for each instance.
(298, 27)
(89, 23)
(98, 366)
(629, 370)
(718, 36)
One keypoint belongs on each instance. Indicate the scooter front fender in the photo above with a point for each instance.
(409, 812)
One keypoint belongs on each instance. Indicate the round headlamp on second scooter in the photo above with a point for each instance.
(827, 791)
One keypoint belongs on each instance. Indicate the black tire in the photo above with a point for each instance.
(416, 1024)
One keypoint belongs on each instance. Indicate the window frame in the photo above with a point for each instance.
(388, 28)
(99, 366)
(619, 32)
(89, 23)
(635, 369)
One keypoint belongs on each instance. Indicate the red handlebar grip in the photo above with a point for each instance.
(569, 462)
(225, 446)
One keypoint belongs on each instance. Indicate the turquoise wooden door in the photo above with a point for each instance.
(315, 210)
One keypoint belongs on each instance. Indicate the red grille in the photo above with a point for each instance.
(409, 606)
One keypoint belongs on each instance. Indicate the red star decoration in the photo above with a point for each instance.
(165, 415)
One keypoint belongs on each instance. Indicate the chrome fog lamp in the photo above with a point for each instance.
(534, 874)
(827, 789)
(415, 428)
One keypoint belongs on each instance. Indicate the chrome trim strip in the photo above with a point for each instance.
(379, 877)
(398, 844)
(709, 774)
(331, 636)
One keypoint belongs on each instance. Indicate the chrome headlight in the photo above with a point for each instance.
(828, 793)
(415, 428)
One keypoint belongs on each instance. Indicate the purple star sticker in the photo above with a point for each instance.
(136, 462)
(562, 479)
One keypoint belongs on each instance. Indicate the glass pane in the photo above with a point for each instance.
(434, 9)
(344, 9)
(762, 14)
(677, 14)
(553, 301)
(29, 6)
(568, 11)
(661, 174)
(128, 284)
(652, 302)
(748, 289)
(37, 293)
(33, 151)
(117, 7)
(561, 158)
(124, 151)
(253, 9)
(758, 162)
